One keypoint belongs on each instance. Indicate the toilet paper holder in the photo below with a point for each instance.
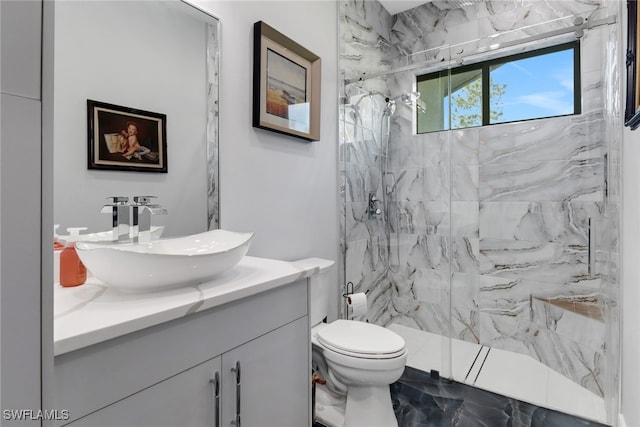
(350, 290)
(356, 311)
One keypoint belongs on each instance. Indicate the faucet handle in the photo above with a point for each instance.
(119, 200)
(143, 200)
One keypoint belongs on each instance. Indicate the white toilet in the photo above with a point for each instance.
(356, 358)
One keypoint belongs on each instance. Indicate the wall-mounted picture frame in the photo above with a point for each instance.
(632, 106)
(126, 139)
(286, 85)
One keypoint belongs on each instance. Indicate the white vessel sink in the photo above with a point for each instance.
(164, 263)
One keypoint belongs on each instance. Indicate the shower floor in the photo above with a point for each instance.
(502, 372)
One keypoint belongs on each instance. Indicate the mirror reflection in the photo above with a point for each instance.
(159, 57)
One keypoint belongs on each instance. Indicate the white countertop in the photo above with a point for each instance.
(93, 312)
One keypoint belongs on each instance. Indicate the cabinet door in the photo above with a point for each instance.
(20, 43)
(274, 379)
(186, 399)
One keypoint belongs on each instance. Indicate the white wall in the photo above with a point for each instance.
(143, 55)
(281, 188)
(631, 278)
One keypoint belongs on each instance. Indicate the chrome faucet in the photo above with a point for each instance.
(143, 210)
(119, 210)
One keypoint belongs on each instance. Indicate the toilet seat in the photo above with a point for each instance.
(361, 340)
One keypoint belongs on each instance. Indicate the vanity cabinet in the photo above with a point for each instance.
(257, 347)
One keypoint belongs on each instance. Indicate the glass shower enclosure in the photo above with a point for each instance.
(492, 249)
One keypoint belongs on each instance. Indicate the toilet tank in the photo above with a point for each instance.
(319, 287)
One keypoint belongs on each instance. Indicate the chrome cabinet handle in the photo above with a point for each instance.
(215, 381)
(236, 422)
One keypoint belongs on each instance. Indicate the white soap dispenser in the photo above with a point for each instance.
(72, 270)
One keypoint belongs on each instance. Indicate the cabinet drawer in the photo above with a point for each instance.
(94, 377)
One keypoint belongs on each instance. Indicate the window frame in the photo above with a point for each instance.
(485, 68)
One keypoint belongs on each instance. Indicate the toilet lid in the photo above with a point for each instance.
(361, 339)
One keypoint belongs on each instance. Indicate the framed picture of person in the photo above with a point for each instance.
(126, 139)
(286, 85)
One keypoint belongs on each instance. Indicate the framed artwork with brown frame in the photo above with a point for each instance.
(286, 85)
(632, 107)
(126, 139)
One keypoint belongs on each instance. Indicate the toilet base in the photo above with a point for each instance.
(369, 407)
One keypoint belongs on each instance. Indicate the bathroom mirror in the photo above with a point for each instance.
(159, 57)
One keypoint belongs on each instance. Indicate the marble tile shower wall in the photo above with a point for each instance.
(484, 234)
(607, 239)
(365, 43)
(213, 65)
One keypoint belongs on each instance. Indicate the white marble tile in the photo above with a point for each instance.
(464, 290)
(477, 364)
(566, 396)
(364, 258)
(420, 251)
(465, 181)
(538, 261)
(420, 185)
(465, 147)
(463, 356)
(427, 317)
(418, 217)
(430, 285)
(465, 254)
(360, 180)
(593, 94)
(514, 375)
(559, 138)
(588, 332)
(359, 223)
(213, 131)
(364, 32)
(423, 348)
(409, 151)
(465, 219)
(562, 222)
(428, 351)
(465, 323)
(580, 180)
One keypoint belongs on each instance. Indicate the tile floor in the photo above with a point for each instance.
(420, 400)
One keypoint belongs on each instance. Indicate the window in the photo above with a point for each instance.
(533, 85)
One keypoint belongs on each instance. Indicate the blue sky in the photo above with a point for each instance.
(541, 86)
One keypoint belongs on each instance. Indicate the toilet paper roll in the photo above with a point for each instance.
(358, 304)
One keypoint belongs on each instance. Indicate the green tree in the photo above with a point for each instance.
(467, 104)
